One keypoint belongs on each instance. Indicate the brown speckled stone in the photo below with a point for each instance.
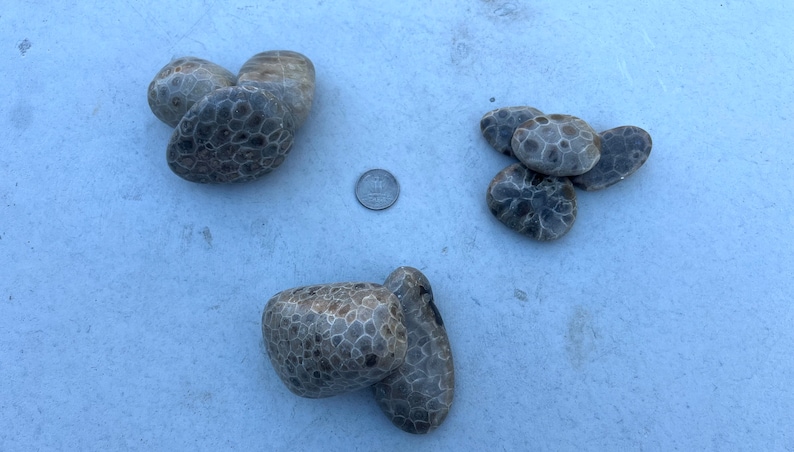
(287, 75)
(183, 82)
(330, 339)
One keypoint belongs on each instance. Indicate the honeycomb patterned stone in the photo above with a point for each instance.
(497, 126)
(330, 339)
(234, 134)
(542, 207)
(183, 82)
(557, 145)
(418, 395)
(288, 75)
(623, 151)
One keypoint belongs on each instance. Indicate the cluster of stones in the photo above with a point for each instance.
(232, 128)
(536, 196)
(330, 339)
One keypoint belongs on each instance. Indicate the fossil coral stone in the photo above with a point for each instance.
(623, 151)
(288, 75)
(540, 206)
(234, 134)
(418, 395)
(329, 339)
(183, 82)
(497, 126)
(557, 145)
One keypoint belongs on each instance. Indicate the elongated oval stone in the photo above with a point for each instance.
(329, 339)
(540, 206)
(497, 126)
(418, 395)
(557, 145)
(623, 151)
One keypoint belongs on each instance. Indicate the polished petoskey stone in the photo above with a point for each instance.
(557, 145)
(497, 126)
(183, 82)
(330, 339)
(623, 151)
(540, 206)
(418, 395)
(288, 75)
(234, 134)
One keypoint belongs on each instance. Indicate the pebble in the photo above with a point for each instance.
(233, 134)
(556, 145)
(497, 126)
(540, 206)
(183, 82)
(418, 395)
(623, 151)
(329, 339)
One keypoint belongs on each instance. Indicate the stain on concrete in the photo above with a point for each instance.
(24, 46)
(207, 235)
(580, 340)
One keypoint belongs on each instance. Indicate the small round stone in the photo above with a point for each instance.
(418, 395)
(497, 126)
(542, 207)
(623, 151)
(234, 134)
(288, 75)
(183, 82)
(330, 339)
(557, 145)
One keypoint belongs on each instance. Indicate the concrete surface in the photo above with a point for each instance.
(130, 300)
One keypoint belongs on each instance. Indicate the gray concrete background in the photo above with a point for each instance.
(130, 300)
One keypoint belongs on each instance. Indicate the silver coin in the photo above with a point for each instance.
(377, 189)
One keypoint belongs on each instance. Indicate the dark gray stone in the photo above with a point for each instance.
(542, 207)
(497, 126)
(234, 134)
(623, 151)
(418, 395)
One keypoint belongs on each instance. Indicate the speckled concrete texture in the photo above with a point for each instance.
(130, 299)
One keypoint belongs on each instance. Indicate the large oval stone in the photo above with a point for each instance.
(557, 145)
(329, 339)
(623, 151)
(234, 134)
(540, 206)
